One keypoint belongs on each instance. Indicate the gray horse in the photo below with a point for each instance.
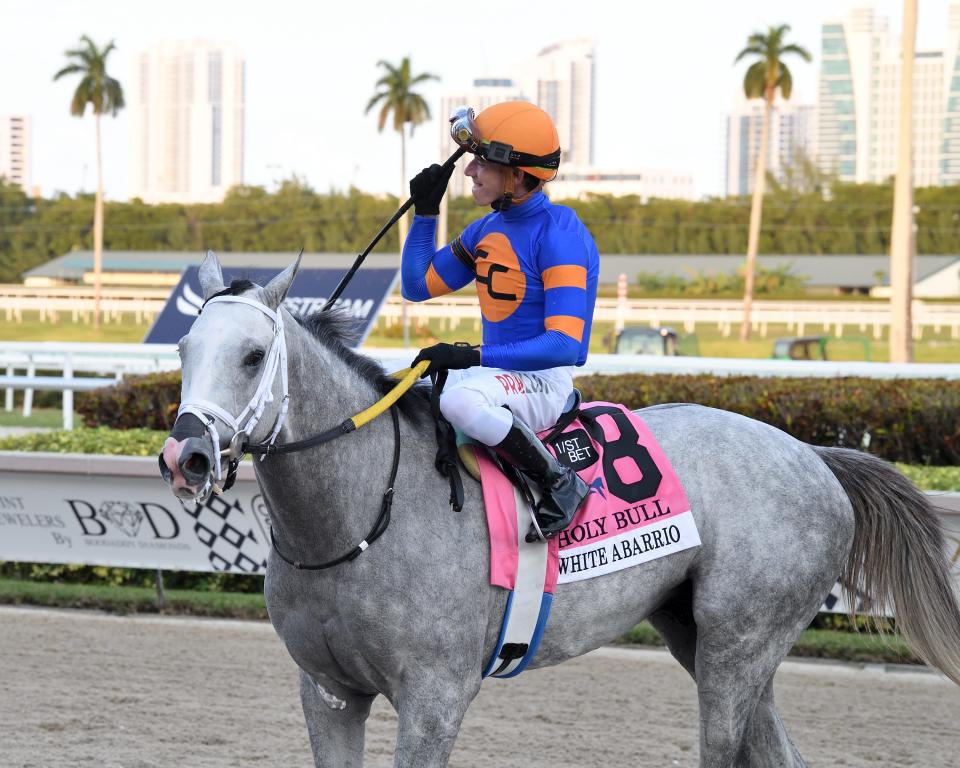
(414, 618)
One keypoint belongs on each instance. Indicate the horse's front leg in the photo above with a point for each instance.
(430, 710)
(335, 721)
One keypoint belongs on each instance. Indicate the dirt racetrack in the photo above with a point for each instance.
(86, 689)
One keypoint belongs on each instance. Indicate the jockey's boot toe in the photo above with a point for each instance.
(560, 502)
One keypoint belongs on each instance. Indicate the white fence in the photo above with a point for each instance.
(799, 316)
(22, 361)
(77, 302)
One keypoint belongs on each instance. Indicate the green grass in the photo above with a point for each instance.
(815, 643)
(32, 329)
(46, 418)
(234, 605)
(932, 478)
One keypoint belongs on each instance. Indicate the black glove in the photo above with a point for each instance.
(447, 356)
(428, 187)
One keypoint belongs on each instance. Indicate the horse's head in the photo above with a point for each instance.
(234, 380)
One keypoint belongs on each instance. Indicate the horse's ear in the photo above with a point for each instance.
(276, 290)
(211, 276)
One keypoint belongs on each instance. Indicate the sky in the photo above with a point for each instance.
(665, 75)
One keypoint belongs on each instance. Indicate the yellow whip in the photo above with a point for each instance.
(408, 377)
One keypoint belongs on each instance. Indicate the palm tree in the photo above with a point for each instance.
(764, 77)
(105, 95)
(396, 95)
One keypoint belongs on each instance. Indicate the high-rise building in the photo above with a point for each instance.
(858, 110)
(562, 77)
(561, 81)
(950, 147)
(15, 150)
(187, 109)
(791, 139)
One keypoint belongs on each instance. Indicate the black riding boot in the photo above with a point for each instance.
(562, 489)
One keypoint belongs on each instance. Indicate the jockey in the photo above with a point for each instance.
(536, 269)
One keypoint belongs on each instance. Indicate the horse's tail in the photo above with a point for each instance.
(899, 557)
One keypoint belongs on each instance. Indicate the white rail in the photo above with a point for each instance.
(68, 358)
(117, 360)
(799, 316)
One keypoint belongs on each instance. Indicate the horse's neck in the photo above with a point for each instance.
(324, 500)
(323, 388)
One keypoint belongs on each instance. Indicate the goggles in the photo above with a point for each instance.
(464, 132)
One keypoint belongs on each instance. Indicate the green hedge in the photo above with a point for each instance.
(914, 421)
(108, 576)
(149, 401)
(102, 440)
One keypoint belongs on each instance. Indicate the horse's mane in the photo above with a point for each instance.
(336, 330)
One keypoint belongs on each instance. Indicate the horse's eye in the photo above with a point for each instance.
(253, 358)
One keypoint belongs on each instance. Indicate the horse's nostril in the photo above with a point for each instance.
(195, 467)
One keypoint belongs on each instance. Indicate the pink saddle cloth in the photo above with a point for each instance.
(636, 510)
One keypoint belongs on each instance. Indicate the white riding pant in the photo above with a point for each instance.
(473, 400)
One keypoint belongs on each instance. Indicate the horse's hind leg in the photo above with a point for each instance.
(335, 722)
(766, 742)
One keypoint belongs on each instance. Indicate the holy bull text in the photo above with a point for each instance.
(624, 518)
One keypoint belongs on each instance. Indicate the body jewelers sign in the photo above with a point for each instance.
(116, 511)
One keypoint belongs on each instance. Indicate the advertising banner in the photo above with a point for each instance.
(128, 519)
(363, 297)
(116, 511)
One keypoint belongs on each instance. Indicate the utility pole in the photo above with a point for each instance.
(902, 238)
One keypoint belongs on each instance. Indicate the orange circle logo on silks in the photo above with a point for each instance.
(501, 284)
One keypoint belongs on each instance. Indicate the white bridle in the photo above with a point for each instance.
(275, 361)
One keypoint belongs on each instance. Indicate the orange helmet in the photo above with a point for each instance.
(519, 134)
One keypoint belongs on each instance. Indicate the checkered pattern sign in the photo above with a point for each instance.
(225, 530)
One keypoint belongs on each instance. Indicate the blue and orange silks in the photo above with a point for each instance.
(536, 268)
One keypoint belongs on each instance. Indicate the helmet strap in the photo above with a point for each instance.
(509, 187)
(510, 197)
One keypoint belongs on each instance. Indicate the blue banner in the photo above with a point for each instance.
(362, 297)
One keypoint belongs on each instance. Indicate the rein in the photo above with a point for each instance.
(407, 376)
